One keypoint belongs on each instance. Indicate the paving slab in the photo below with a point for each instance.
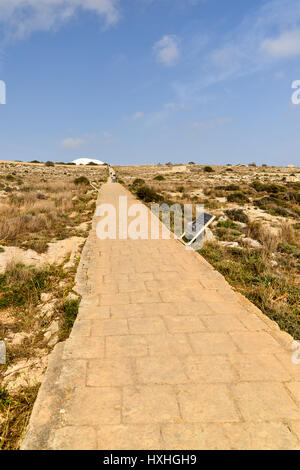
(164, 354)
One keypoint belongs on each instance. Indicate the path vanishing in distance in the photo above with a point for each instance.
(164, 355)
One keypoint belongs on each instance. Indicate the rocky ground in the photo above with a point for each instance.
(254, 240)
(45, 215)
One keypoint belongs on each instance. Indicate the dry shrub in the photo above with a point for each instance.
(10, 228)
(287, 233)
(16, 273)
(26, 213)
(38, 222)
(268, 239)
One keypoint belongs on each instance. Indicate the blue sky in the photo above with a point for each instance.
(148, 81)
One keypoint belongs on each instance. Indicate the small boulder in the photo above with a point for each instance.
(251, 243)
(230, 244)
(71, 296)
(19, 338)
(47, 309)
(53, 341)
(51, 335)
(45, 297)
(209, 236)
(53, 328)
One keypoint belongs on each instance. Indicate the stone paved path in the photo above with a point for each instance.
(164, 355)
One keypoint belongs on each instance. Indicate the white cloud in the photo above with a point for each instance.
(280, 75)
(267, 34)
(164, 113)
(211, 124)
(72, 143)
(167, 50)
(174, 106)
(138, 115)
(106, 136)
(20, 18)
(285, 45)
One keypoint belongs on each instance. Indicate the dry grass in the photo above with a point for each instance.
(15, 411)
(38, 205)
(268, 211)
(270, 240)
(257, 231)
(44, 204)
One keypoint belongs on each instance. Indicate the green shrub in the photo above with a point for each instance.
(238, 215)
(212, 252)
(230, 187)
(239, 198)
(289, 249)
(81, 180)
(227, 224)
(276, 205)
(271, 188)
(70, 312)
(147, 194)
(208, 169)
(4, 398)
(258, 185)
(274, 188)
(20, 285)
(159, 178)
(138, 182)
(293, 196)
(228, 235)
(10, 178)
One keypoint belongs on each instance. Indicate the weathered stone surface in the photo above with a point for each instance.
(75, 438)
(164, 355)
(129, 436)
(150, 404)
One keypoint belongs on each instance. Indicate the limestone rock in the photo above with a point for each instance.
(57, 252)
(230, 244)
(45, 297)
(251, 243)
(19, 338)
(51, 335)
(53, 341)
(209, 236)
(47, 309)
(53, 328)
(26, 372)
(71, 296)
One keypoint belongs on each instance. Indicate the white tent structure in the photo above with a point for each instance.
(86, 161)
